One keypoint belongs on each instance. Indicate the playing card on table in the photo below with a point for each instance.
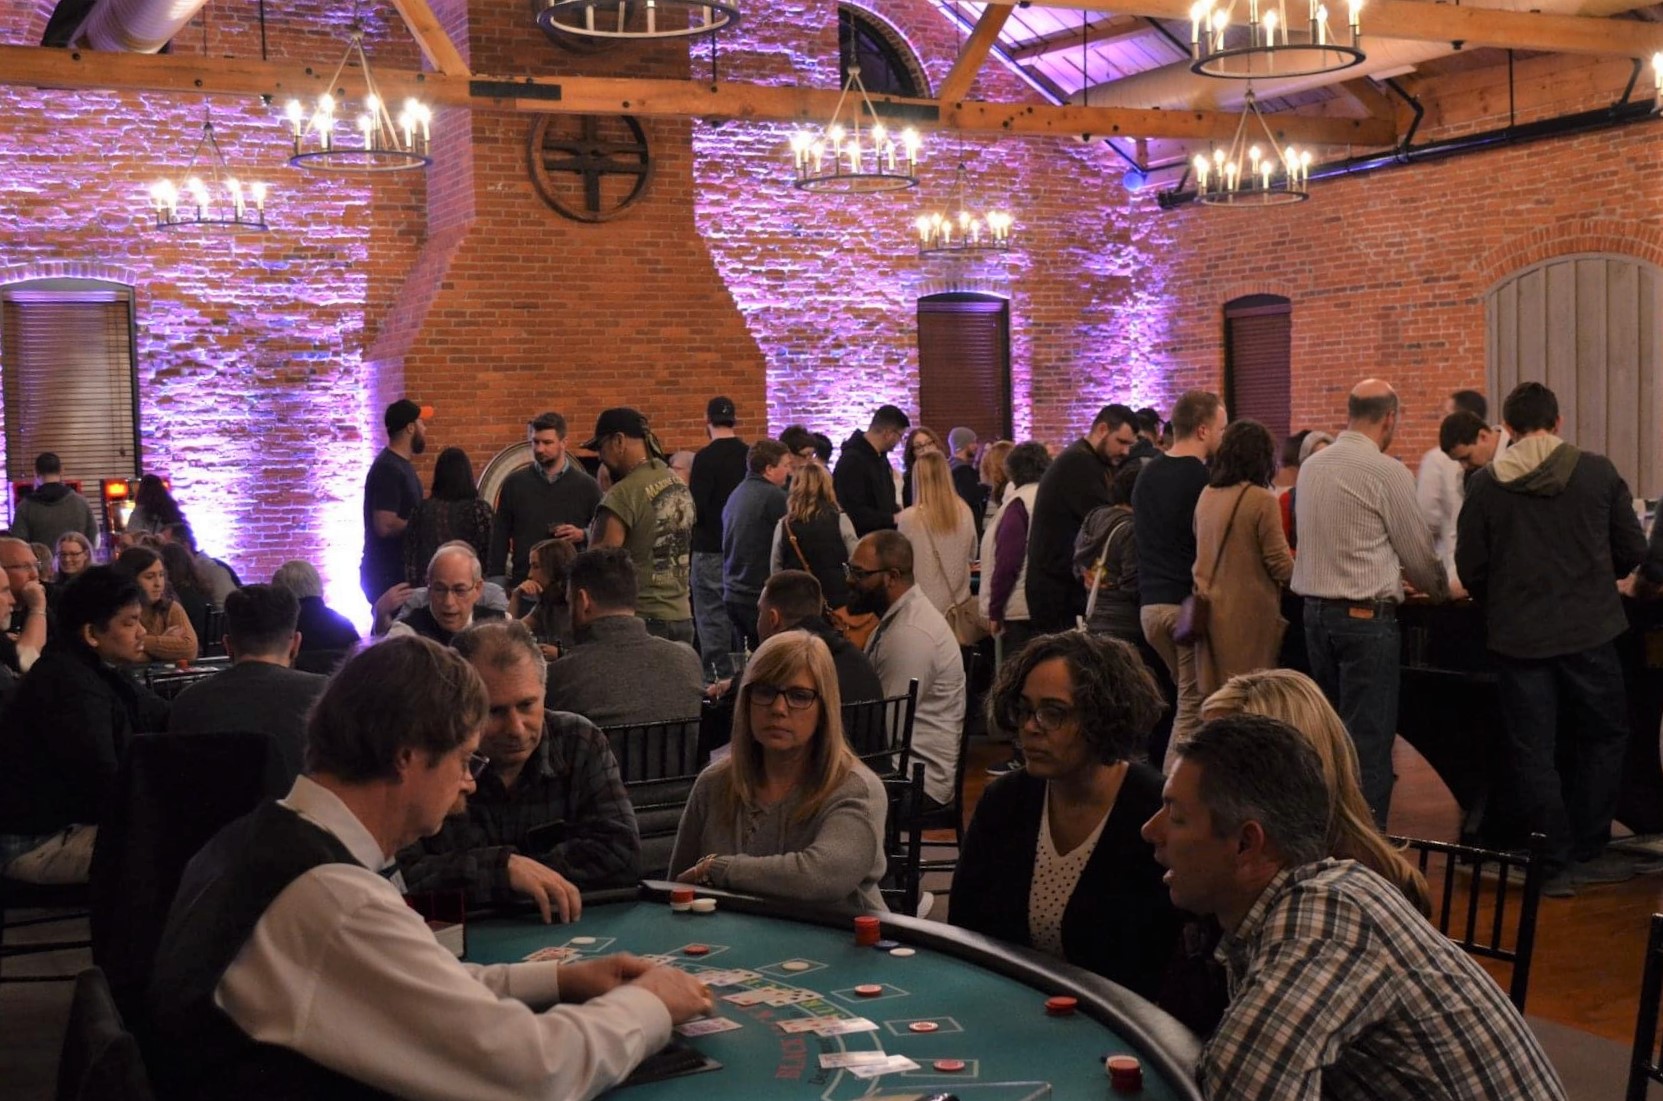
(842, 1026)
(731, 977)
(779, 997)
(748, 997)
(894, 1064)
(832, 1060)
(704, 1026)
(555, 954)
(805, 1024)
(660, 957)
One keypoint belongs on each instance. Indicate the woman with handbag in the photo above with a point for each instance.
(1241, 560)
(943, 536)
(815, 535)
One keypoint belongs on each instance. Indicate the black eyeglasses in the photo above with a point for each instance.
(475, 764)
(797, 699)
(1049, 717)
(852, 572)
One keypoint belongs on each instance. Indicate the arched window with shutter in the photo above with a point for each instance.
(1258, 336)
(964, 368)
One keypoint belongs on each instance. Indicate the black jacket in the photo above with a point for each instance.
(865, 484)
(62, 738)
(1541, 546)
(1120, 921)
(1073, 485)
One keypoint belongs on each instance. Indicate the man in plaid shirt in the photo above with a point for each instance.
(1339, 989)
(550, 816)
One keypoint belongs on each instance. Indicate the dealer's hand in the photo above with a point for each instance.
(591, 978)
(683, 995)
(547, 887)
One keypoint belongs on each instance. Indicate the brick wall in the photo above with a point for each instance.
(265, 362)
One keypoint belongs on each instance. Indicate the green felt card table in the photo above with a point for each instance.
(985, 999)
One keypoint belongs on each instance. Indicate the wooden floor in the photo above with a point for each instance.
(1586, 973)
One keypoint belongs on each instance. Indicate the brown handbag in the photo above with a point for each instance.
(856, 628)
(1196, 612)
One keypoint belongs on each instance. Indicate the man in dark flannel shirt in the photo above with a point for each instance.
(1339, 989)
(550, 816)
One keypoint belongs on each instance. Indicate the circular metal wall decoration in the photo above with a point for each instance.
(590, 168)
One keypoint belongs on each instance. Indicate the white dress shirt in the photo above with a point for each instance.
(340, 970)
(1440, 487)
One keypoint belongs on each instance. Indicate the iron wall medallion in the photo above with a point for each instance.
(590, 168)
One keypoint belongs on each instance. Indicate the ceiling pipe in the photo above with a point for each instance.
(1175, 87)
(135, 26)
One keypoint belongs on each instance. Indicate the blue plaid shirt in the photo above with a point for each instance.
(570, 781)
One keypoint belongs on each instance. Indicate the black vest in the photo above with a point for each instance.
(422, 622)
(822, 543)
(196, 1050)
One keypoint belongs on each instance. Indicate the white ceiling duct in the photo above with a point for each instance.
(1175, 87)
(136, 26)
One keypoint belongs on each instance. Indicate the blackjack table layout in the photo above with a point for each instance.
(803, 1011)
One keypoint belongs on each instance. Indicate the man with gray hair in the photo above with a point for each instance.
(320, 626)
(454, 584)
(1361, 533)
(550, 816)
(1339, 988)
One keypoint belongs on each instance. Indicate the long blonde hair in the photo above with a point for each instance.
(933, 494)
(811, 494)
(830, 758)
(1295, 699)
(992, 469)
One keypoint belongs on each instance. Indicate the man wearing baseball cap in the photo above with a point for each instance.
(649, 512)
(391, 492)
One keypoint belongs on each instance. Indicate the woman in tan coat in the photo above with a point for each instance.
(1241, 563)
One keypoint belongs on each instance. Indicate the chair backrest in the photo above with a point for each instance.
(658, 808)
(880, 731)
(1481, 923)
(903, 878)
(1646, 1065)
(167, 682)
(656, 751)
(174, 793)
(211, 638)
(100, 1059)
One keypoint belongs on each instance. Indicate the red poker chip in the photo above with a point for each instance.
(869, 990)
(923, 1026)
(948, 1066)
(1061, 1006)
(696, 950)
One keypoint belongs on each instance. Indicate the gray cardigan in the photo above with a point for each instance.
(833, 860)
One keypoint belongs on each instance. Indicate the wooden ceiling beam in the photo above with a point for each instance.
(441, 52)
(37, 66)
(974, 53)
(1112, 29)
(1372, 100)
(1420, 21)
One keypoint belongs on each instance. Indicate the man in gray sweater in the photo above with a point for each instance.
(749, 518)
(53, 508)
(618, 674)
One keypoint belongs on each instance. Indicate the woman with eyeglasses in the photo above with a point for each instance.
(1053, 859)
(790, 812)
(74, 554)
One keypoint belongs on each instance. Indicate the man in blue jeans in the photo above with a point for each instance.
(1545, 533)
(1361, 533)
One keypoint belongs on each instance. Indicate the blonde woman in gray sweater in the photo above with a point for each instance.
(791, 813)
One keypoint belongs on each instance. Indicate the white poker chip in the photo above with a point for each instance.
(903, 952)
(583, 940)
(795, 965)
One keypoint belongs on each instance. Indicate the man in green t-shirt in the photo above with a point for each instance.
(648, 512)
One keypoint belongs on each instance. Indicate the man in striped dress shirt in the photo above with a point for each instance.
(1339, 989)
(1360, 533)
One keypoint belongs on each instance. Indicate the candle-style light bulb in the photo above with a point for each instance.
(1270, 28)
(1198, 16)
(259, 190)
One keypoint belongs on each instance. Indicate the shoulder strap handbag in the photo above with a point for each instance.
(964, 617)
(1195, 613)
(1097, 569)
(827, 612)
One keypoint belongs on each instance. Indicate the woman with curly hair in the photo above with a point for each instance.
(1296, 700)
(1241, 558)
(168, 634)
(1053, 859)
(539, 601)
(791, 812)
